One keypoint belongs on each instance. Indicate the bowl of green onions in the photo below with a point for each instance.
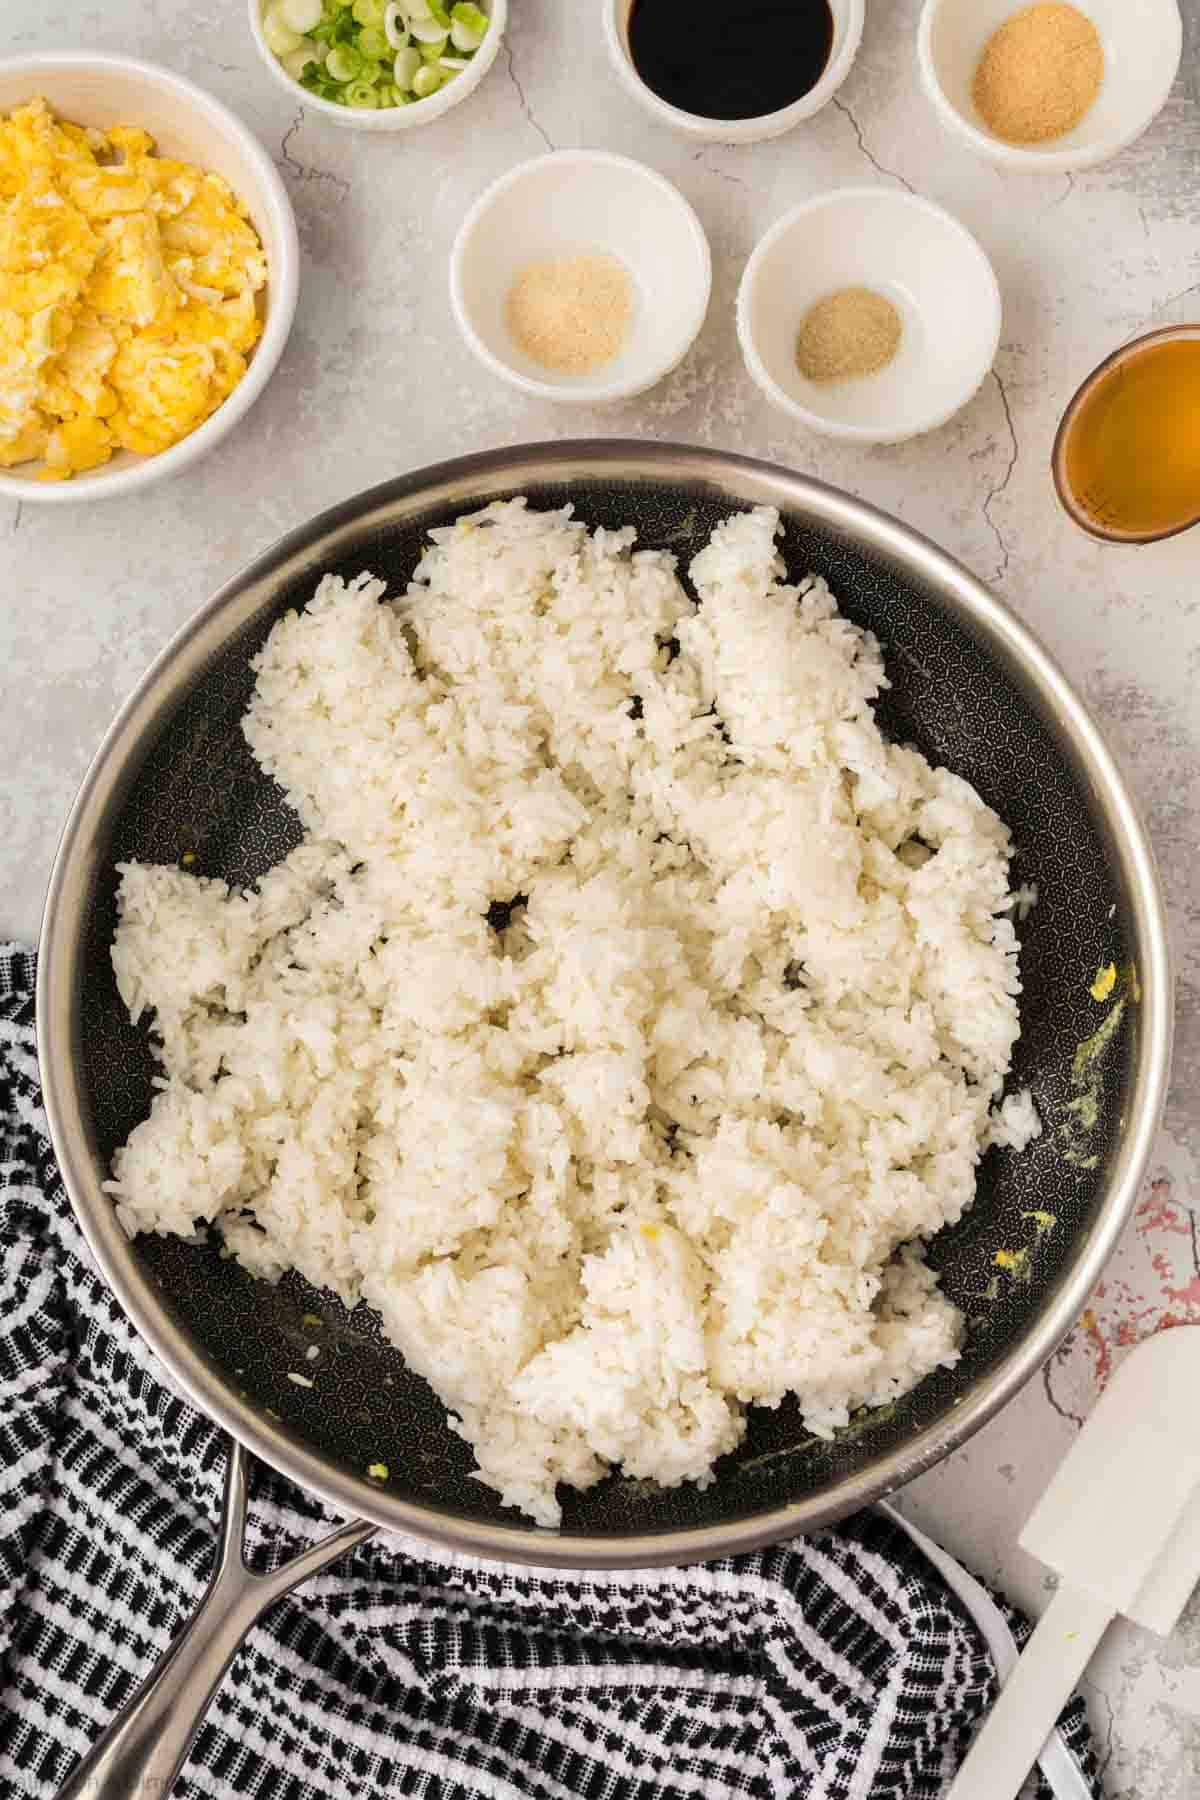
(379, 65)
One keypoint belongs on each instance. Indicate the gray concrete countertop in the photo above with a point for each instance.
(376, 380)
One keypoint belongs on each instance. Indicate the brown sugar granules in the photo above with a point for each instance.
(1039, 73)
(571, 315)
(854, 331)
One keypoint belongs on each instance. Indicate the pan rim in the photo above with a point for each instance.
(966, 598)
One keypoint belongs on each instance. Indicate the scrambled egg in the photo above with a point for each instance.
(1105, 982)
(127, 293)
(1016, 1262)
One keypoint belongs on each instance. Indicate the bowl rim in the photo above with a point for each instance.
(394, 118)
(509, 470)
(847, 429)
(569, 392)
(283, 286)
(1022, 157)
(735, 131)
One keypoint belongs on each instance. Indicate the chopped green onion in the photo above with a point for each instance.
(343, 63)
(281, 39)
(427, 80)
(301, 15)
(405, 68)
(468, 26)
(362, 54)
(314, 81)
(373, 43)
(297, 60)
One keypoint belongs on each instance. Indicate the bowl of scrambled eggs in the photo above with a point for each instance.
(149, 267)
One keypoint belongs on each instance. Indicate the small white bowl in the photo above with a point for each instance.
(91, 89)
(916, 255)
(1142, 39)
(848, 16)
(391, 118)
(572, 203)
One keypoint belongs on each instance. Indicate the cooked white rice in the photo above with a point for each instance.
(666, 1143)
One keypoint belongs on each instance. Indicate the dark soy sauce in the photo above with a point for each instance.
(739, 60)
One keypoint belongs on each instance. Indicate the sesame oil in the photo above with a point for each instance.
(1128, 457)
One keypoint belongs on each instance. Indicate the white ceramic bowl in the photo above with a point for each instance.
(848, 16)
(918, 256)
(571, 203)
(185, 122)
(1142, 39)
(392, 118)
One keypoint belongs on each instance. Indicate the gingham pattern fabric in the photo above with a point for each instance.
(836, 1668)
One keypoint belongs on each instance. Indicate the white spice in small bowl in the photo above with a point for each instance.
(850, 333)
(571, 314)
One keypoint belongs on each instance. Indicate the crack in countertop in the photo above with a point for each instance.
(16, 519)
(1174, 299)
(892, 174)
(994, 492)
(711, 169)
(1066, 193)
(307, 171)
(526, 109)
(1063, 1412)
(1102, 1762)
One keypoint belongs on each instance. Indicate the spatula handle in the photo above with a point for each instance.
(1033, 1696)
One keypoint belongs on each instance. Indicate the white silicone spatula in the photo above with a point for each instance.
(1120, 1523)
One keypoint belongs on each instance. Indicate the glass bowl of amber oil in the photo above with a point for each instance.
(1126, 460)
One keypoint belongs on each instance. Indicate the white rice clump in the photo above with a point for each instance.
(666, 1143)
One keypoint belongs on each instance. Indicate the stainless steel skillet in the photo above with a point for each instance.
(970, 686)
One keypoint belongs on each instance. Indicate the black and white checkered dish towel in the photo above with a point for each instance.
(833, 1668)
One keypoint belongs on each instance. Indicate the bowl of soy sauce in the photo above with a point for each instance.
(734, 73)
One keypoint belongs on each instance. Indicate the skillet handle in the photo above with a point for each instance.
(144, 1747)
